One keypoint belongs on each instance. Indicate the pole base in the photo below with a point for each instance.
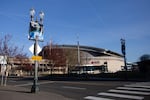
(34, 89)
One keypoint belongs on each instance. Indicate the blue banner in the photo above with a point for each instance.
(36, 30)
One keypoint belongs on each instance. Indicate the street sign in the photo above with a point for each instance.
(38, 58)
(31, 48)
(3, 59)
(3, 62)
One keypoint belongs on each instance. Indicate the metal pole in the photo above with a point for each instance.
(3, 70)
(35, 28)
(125, 63)
(78, 54)
(35, 87)
(6, 75)
(123, 48)
(2, 79)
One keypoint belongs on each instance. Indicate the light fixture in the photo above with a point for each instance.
(32, 12)
(41, 15)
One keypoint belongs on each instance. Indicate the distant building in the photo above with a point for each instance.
(24, 66)
(92, 60)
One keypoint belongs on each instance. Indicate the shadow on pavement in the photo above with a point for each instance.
(12, 89)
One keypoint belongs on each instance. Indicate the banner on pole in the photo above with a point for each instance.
(36, 29)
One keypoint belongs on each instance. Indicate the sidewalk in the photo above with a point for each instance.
(20, 93)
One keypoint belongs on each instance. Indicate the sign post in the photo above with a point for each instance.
(8, 68)
(3, 62)
(3, 68)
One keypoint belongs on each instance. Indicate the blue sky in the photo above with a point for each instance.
(97, 23)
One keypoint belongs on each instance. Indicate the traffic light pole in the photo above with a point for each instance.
(125, 63)
(123, 49)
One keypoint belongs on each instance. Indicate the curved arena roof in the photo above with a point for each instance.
(92, 50)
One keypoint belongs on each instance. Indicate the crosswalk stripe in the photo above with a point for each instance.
(130, 88)
(121, 96)
(143, 83)
(96, 98)
(134, 85)
(129, 92)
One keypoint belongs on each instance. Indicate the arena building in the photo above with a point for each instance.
(89, 59)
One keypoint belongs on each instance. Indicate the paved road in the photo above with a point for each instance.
(91, 90)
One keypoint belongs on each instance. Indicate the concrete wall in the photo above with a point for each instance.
(113, 63)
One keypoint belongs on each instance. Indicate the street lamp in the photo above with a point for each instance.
(36, 34)
(32, 13)
(41, 15)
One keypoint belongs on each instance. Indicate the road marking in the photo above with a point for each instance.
(96, 98)
(28, 84)
(46, 82)
(70, 87)
(130, 88)
(121, 96)
(134, 85)
(85, 83)
(12, 81)
(129, 92)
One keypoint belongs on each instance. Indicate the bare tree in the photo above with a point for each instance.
(8, 49)
(145, 57)
(71, 57)
(144, 63)
(61, 56)
(55, 54)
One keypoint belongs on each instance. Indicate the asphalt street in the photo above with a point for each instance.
(90, 90)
